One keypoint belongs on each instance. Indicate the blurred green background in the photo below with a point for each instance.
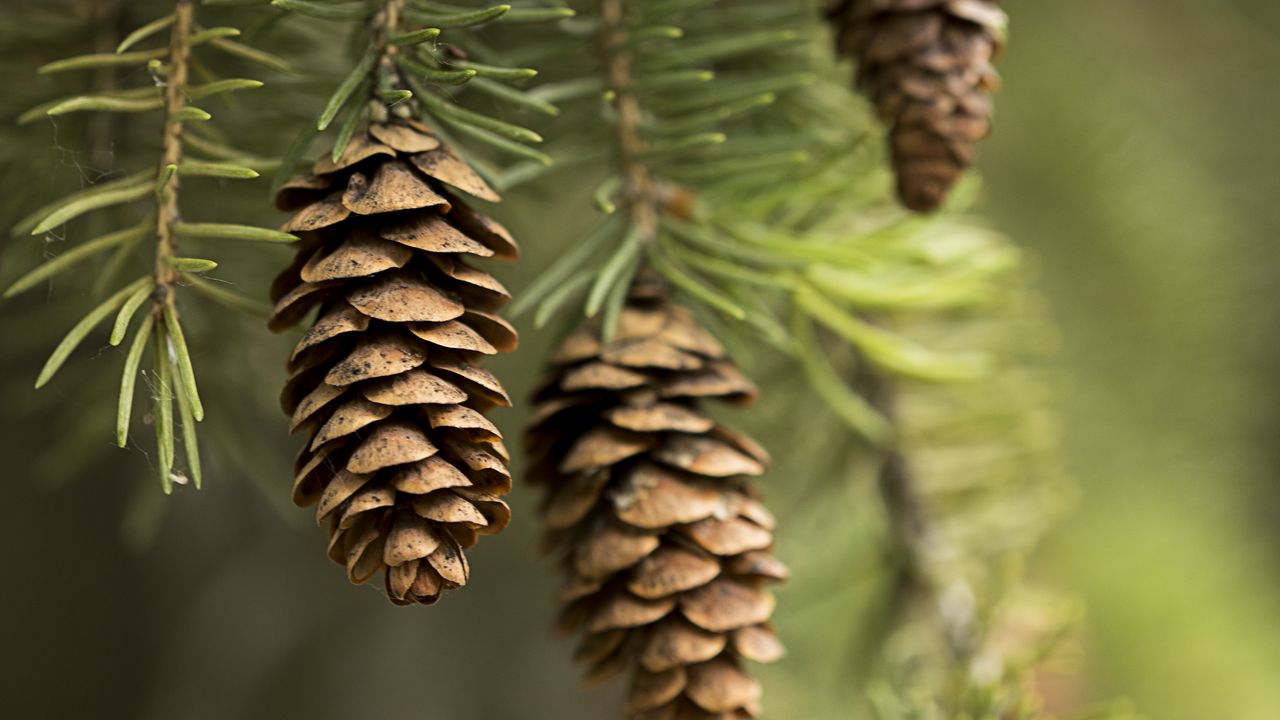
(1135, 157)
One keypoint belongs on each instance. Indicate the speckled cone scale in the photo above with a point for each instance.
(401, 464)
(667, 548)
(927, 66)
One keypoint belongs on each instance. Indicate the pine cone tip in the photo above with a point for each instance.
(927, 66)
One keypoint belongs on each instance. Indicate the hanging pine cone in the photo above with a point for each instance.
(926, 64)
(666, 545)
(401, 461)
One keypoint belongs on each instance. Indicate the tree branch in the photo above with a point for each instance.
(175, 100)
(640, 192)
(908, 525)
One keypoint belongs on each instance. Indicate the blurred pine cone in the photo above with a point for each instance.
(926, 64)
(403, 464)
(665, 544)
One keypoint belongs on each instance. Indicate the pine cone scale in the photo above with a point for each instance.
(647, 498)
(926, 64)
(400, 460)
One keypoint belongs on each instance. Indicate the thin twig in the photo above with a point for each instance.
(640, 193)
(168, 213)
(914, 542)
(909, 527)
(386, 25)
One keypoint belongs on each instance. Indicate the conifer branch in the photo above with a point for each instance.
(640, 191)
(386, 31)
(171, 152)
(399, 70)
(896, 482)
(667, 120)
(171, 65)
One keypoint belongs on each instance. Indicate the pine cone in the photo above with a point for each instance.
(665, 544)
(400, 459)
(926, 64)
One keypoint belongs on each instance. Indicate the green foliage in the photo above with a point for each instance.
(146, 31)
(129, 378)
(128, 310)
(162, 407)
(226, 231)
(411, 83)
(664, 118)
(121, 238)
(82, 329)
(740, 168)
(770, 215)
(170, 63)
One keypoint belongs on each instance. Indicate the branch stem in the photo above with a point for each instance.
(175, 100)
(908, 525)
(384, 25)
(914, 542)
(640, 191)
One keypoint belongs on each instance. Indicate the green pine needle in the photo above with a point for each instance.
(537, 15)
(127, 311)
(217, 87)
(190, 443)
(615, 301)
(515, 97)
(351, 123)
(460, 19)
(615, 268)
(695, 287)
(186, 373)
(90, 201)
(82, 329)
(324, 11)
(103, 60)
(212, 34)
(167, 173)
(346, 89)
(224, 231)
(188, 114)
(888, 350)
(416, 38)
(435, 75)
(128, 236)
(104, 103)
(504, 145)
(191, 265)
(849, 406)
(227, 298)
(265, 59)
(395, 97)
(129, 379)
(560, 296)
(162, 402)
(602, 198)
(218, 170)
(41, 111)
(458, 115)
(559, 271)
(145, 32)
(494, 72)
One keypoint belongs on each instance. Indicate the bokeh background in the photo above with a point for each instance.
(1135, 159)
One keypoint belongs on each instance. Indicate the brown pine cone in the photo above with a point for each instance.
(926, 64)
(665, 543)
(401, 461)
